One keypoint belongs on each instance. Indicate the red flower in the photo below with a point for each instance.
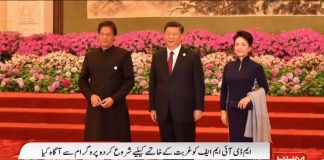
(66, 83)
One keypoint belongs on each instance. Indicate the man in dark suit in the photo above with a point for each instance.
(106, 78)
(177, 88)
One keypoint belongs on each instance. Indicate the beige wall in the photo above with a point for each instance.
(3, 15)
(48, 16)
(75, 20)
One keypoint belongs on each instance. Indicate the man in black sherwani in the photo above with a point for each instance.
(177, 88)
(106, 78)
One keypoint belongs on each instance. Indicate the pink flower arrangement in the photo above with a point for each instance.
(141, 41)
(79, 44)
(58, 72)
(9, 41)
(261, 42)
(294, 43)
(200, 40)
(8, 44)
(284, 45)
(39, 44)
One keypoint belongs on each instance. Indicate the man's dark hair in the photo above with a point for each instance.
(174, 24)
(244, 34)
(109, 24)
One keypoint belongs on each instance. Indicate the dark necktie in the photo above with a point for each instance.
(170, 61)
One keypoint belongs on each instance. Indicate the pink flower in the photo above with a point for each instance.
(214, 81)
(140, 72)
(145, 92)
(321, 67)
(209, 66)
(41, 77)
(296, 88)
(308, 77)
(219, 74)
(296, 80)
(290, 75)
(313, 72)
(56, 84)
(275, 72)
(51, 89)
(143, 83)
(138, 78)
(58, 78)
(297, 71)
(283, 88)
(208, 73)
(32, 71)
(9, 73)
(284, 79)
(15, 71)
(20, 82)
(135, 69)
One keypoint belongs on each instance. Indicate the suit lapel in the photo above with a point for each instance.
(164, 61)
(181, 57)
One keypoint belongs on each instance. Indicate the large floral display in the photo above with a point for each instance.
(293, 61)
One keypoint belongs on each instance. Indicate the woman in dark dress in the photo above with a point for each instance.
(239, 78)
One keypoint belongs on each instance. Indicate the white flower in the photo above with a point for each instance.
(219, 84)
(3, 83)
(68, 74)
(74, 70)
(36, 88)
(32, 79)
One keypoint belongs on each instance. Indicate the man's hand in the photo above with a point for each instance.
(224, 117)
(95, 100)
(153, 116)
(197, 114)
(107, 102)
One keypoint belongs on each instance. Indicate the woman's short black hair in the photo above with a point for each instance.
(174, 24)
(109, 24)
(244, 34)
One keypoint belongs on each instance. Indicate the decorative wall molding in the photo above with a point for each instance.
(201, 8)
(29, 17)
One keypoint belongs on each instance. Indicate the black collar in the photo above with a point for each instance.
(245, 59)
(106, 50)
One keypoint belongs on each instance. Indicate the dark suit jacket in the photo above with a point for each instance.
(111, 75)
(182, 92)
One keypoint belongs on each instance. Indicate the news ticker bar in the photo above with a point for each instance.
(134, 150)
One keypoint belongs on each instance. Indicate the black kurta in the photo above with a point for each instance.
(238, 79)
(107, 73)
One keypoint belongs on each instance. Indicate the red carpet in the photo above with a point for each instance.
(297, 122)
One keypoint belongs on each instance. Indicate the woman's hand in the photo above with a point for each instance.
(244, 102)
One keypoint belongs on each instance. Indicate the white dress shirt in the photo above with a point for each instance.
(175, 55)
